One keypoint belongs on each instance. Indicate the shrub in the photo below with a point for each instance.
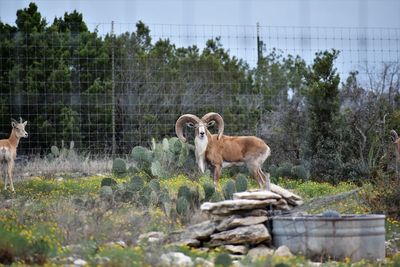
(285, 170)
(30, 244)
(299, 172)
(117, 256)
(383, 194)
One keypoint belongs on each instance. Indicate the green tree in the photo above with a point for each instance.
(323, 104)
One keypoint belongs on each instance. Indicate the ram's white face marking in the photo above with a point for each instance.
(200, 151)
(202, 131)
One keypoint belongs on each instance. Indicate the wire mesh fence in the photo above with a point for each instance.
(123, 84)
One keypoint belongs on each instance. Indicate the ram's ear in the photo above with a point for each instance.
(190, 124)
(210, 124)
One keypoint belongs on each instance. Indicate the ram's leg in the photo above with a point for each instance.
(217, 174)
(266, 179)
(255, 173)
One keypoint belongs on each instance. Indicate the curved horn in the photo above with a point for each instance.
(182, 121)
(394, 135)
(212, 116)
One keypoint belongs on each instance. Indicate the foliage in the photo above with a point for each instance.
(223, 260)
(155, 185)
(65, 215)
(208, 191)
(228, 189)
(241, 183)
(62, 153)
(299, 172)
(136, 183)
(118, 256)
(30, 243)
(285, 170)
(106, 192)
(216, 197)
(164, 159)
(346, 124)
(108, 182)
(382, 194)
(119, 167)
(182, 206)
(323, 100)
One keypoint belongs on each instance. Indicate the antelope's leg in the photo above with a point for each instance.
(10, 174)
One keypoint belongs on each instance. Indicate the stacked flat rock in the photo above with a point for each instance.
(239, 224)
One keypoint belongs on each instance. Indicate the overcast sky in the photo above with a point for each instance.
(332, 13)
(346, 23)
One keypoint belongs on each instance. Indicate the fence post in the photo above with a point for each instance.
(114, 143)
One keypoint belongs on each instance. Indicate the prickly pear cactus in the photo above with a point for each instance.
(216, 197)
(209, 190)
(194, 198)
(119, 167)
(106, 192)
(108, 182)
(229, 189)
(142, 156)
(155, 185)
(223, 260)
(144, 196)
(136, 183)
(175, 145)
(164, 196)
(165, 144)
(158, 170)
(182, 206)
(153, 199)
(184, 191)
(55, 151)
(241, 183)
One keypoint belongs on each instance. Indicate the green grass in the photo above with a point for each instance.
(45, 215)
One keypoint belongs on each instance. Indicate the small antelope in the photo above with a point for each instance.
(8, 150)
(396, 141)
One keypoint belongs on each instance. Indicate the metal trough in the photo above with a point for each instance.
(317, 237)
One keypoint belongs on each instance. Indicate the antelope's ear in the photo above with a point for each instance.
(190, 124)
(25, 123)
(210, 124)
(13, 124)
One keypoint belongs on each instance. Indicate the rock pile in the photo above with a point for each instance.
(240, 224)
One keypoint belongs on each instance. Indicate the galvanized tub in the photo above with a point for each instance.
(317, 237)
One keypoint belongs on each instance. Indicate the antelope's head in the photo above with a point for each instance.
(19, 128)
